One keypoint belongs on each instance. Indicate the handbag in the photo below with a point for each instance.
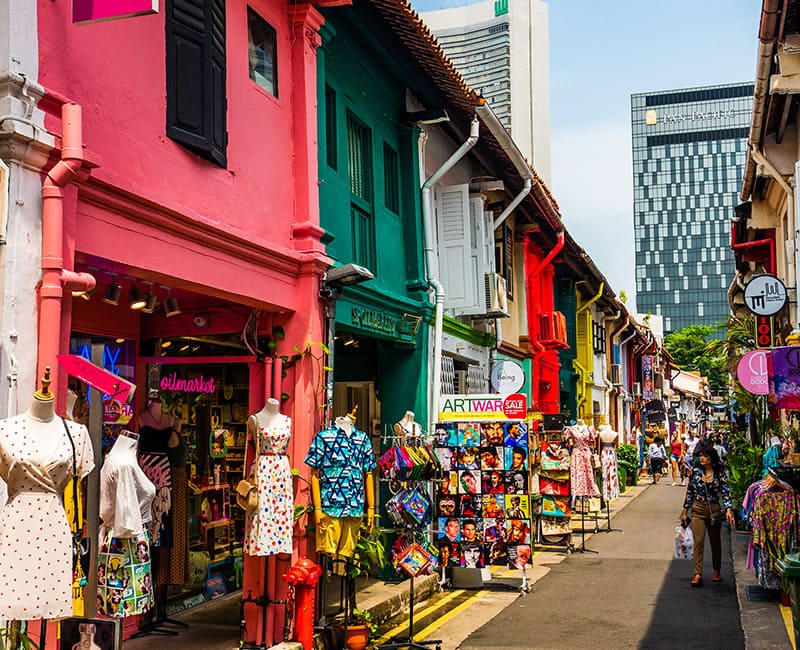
(247, 489)
(715, 517)
(596, 463)
(81, 545)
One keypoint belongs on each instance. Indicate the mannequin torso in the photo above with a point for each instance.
(407, 427)
(608, 435)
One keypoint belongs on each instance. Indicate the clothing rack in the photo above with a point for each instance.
(394, 440)
(582, 548)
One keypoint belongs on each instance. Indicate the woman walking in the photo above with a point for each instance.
(708, 500)
(675, 453)
(657, 455)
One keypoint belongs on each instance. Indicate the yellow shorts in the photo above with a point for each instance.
(337, 536)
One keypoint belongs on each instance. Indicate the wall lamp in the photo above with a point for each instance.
(171, 307)
(138, 301)
(113, 292)
(343, 276)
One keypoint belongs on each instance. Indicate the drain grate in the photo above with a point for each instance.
(759, 594)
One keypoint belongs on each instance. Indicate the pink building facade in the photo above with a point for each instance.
(172, 154)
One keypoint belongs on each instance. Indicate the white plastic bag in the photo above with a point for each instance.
(684, 543)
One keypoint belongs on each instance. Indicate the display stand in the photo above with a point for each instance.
(608, 528)
(409, 642)
(582, 548)
(553, 447)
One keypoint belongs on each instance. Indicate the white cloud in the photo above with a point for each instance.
(595, 196)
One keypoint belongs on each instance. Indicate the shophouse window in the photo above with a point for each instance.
(195, 74)
(359, 159)
(331, 148)
(262, 55)
(391, 183)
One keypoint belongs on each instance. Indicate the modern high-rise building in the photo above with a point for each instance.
(501, 48)
(689, 149)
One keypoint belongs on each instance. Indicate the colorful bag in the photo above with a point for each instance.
(555, 526)
(684, 543)
(555, 506)
(552, 487)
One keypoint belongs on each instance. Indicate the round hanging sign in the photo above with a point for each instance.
(765, 295)
(752, 372)
(507, 377)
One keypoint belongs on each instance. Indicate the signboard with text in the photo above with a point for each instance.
(647, 377)
(114, 386)
(765, 295)
(483, 407)
(752, 372)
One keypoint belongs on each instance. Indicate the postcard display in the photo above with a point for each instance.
(483, 503)
(551, 483)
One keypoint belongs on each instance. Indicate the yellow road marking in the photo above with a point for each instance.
(786, 614)
(403, 627)
(424, 632)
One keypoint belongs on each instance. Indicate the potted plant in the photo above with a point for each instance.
(369, 557)
(359, 629)
(628, 457)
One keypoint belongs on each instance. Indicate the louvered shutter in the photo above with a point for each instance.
(196, 76)
(455, 254)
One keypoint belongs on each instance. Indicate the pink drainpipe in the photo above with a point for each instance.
(55, 278)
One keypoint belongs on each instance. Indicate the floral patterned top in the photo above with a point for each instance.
(718, 490)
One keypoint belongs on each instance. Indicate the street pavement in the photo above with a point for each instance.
(629, 594)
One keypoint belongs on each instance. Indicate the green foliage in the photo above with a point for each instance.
(692, 350)
(628, 454)
(13, 637)
(744, 465)
(370, 554)
(363, 617)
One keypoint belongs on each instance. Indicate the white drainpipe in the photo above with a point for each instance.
(433, 281)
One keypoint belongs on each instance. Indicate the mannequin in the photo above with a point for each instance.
(407, 427)
(582, 479)
(36, 461)
(268, 529)
(609, 439)
(163, 457)
(126, 496)
(341, 485)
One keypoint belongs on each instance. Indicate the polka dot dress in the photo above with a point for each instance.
(35, 544)
(269, 528)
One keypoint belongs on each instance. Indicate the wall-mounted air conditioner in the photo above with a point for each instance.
(495, 296)
(616, 374)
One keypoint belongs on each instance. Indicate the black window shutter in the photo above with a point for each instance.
(196, 100)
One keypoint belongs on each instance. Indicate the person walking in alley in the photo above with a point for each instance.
(675, 453)
(708, 501)
(657, 455)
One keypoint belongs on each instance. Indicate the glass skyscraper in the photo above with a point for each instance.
(689, 151)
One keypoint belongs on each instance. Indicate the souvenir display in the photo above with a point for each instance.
(482, 505)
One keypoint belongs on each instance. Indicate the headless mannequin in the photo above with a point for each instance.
(265, 417)
(580, 422)
(345, 423)
(154, 416)
(608, 435)
(407, 427)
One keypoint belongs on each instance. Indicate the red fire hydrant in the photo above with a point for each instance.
(302, 579)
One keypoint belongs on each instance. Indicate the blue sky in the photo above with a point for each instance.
(602, 52)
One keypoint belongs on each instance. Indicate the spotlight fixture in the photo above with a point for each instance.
(86, 295)
(171, 307)
(150, 302)
(137, 298)
(113, 292)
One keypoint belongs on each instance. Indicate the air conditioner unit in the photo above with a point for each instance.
(496, 297)
(637, 389)
(616, 374)
(553, 330)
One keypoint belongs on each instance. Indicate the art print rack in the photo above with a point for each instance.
(551, 483)
(483, 503)
(409, 465)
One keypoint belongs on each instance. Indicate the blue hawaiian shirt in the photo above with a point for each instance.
(341, 459)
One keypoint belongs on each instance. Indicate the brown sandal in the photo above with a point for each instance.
(716, 577)
(697, 580)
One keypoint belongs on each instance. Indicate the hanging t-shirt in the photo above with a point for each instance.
(341, 458)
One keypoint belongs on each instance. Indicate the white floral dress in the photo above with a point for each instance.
(35, 541)
(268, 529)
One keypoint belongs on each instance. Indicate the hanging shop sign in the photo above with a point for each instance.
(113, 386)
(507, 377)
(90, 11)
(381, 323)
(765, 295)
(647, 377)
(783, 367)
(752, 372)
(482, 407)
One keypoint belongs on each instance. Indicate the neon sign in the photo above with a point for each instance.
(196, 385)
